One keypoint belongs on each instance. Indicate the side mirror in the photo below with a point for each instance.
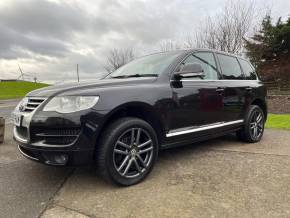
(190, 70)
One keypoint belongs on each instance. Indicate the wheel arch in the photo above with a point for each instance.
(140, 110)
(262, 104)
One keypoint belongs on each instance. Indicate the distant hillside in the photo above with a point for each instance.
(9, 90)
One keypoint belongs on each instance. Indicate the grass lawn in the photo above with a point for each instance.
(10, 90)
(278, 121)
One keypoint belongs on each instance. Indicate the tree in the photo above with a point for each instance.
(271, 41)
(258, 47)
(118, 57)
(269, 49)
(225, 31)
(169, 45)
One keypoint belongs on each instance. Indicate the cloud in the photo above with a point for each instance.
(49, 37)
(16, 45)
(43, 18)
(39, 27)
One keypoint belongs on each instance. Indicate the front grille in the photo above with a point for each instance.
(32, 104)
(55, 136)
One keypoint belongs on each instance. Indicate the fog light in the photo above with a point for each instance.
(61, 159)
(56, 159)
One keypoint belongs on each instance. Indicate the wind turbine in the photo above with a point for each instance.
(21, 73)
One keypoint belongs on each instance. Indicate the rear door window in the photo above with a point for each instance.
(230, 67)
(248, 70)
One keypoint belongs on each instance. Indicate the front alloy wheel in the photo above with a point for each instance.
(133, 152)
(127, 151)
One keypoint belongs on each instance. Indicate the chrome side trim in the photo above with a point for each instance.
(202, 128)
(17, 137)
(214, 80)
(25, 155)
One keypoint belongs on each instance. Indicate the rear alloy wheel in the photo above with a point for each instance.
(257, 125)
(127, 151)
(254, 125)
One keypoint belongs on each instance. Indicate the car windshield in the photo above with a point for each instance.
(148, 66)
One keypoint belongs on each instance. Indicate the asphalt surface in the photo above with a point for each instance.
(6, 107)
(217, 178)
(26, 187)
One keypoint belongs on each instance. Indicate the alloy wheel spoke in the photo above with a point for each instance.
(132, 137)
(252, 125)
(145, 143)
(128, 167)
(145, 150)
(255, 132)
(123, 144)
(121, 152)
(138, 136)
(259, 118)
(137, 165)
(123, 163)
(141, 160)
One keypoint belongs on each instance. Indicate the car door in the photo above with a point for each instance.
(197, 101)
(234, 87)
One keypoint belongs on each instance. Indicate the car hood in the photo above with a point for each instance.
(59, 89)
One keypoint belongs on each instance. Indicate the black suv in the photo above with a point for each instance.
(158, 101)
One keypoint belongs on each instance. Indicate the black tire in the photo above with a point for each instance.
(253, 128)
(110, 163)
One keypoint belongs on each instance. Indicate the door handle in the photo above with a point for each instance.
(219, 89)
(249, 89)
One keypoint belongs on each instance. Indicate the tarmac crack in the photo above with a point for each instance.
(50, 201)
(74, 210)
(247, 152)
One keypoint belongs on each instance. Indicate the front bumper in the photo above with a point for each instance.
(58, 157)
(59, 139)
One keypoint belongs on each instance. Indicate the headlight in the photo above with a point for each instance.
(69, 104)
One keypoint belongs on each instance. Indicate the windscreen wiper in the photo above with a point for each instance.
(135, 75)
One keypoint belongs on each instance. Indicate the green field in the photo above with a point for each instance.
(278, 121)
(10, 90)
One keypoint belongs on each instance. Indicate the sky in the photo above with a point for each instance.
(48, 38)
